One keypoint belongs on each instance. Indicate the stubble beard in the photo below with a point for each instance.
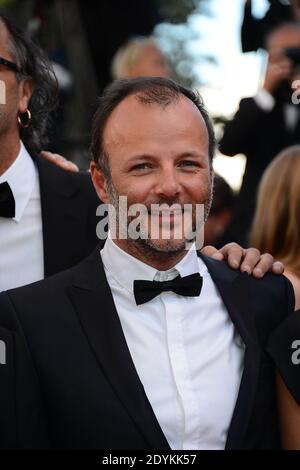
(155, 248)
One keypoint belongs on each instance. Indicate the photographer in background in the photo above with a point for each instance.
(266, 123)
(255, 30)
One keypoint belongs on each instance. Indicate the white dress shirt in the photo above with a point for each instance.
(186, 351)
(21, 238)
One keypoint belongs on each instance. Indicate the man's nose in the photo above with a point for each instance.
(168, 184)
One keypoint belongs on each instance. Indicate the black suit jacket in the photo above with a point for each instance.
(260, 136)
(69, 203)
(22, 420)
(91, 393)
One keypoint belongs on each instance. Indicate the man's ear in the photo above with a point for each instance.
(99, 182)
(25, 93)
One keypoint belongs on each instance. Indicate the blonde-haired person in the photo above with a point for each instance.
(276, 225)
(276, 228)
(140, 56)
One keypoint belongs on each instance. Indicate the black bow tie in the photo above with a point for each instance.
(189, 286)
(7, 201)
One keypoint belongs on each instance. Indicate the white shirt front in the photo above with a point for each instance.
(21, 238)
(185, 349)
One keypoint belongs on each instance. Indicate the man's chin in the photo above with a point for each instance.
(165, 246)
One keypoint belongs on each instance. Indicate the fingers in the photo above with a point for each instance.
(281, 67)
(252, 258)
(278, 267)
(233, 253)
(60, 161)
(282, 70)
(263, 265)
(212, 252)
(247, 260)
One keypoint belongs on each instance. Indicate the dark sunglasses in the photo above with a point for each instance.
(9, 64)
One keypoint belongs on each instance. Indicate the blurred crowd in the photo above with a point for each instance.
(80, 41)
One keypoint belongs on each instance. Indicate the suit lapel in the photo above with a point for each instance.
(234, 289)
(94, 305)
(62, 223)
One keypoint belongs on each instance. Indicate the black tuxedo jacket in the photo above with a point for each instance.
(260, 136)
(68, 203)
(91, 394)
(22, 421)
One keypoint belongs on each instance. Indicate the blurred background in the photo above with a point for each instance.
(201, 40)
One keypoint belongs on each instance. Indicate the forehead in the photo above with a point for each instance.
(285, 37)
(135, 123)
(152, 48)
(4, 38)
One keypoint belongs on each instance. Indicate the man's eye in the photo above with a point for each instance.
(188, 163)
(141, 166)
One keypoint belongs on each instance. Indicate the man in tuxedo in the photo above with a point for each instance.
(47, 215)
(44, 226)
(264, 124)
(146, 344)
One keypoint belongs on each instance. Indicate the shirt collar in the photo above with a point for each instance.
(125, 268)
(20, 176)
